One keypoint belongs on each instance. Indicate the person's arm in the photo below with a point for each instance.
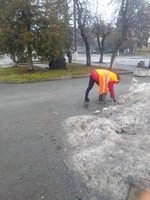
(111, 90)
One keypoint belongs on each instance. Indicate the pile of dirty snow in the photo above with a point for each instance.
(110, 153)
(142, 72)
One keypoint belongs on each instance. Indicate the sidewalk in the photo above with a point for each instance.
(128, 63)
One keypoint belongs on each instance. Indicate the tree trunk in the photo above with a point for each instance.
(88, 56)
(87, 46)
(101, 58)
(118, 44)
(30, 64)
(114, 54)
(83, 32)
(69, 55)
(101, 47)
(13, 57)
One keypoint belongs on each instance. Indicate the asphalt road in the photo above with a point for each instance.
(32, 140)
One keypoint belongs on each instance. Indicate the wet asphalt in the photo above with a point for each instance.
(33, 141)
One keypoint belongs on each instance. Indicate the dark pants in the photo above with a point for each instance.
(90, 86)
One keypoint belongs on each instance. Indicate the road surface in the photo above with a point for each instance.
(32, 140)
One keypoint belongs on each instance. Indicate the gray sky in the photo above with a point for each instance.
(104, 7)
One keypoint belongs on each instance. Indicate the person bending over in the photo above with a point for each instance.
(105, 79)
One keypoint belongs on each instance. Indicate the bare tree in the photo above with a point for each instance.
(101, 30)
(122, 29)
(83, 17)
(133, 20)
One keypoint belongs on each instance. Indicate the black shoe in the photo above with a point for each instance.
(86, 100)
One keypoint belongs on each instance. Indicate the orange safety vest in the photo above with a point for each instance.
(105, 77)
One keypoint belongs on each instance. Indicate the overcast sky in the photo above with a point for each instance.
(104, 7)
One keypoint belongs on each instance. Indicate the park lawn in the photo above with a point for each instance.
(20, 74)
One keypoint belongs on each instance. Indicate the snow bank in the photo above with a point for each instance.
(112, 152)
(142, 72)
(5, 61)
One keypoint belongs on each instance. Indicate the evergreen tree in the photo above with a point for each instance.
(30, 27)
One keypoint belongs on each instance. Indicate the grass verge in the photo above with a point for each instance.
(21, 74)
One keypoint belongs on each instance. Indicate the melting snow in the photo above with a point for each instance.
(110, 153)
